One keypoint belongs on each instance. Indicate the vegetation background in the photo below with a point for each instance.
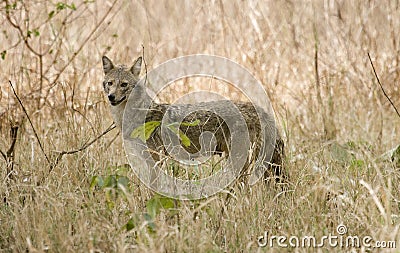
(64, 186)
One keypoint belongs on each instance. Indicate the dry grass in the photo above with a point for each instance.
(338, 131)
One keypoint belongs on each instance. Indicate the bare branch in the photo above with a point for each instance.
(14, 132)
(76, 53)
(3, 155)
(21, 32)
(85, 146)
(380, 84)
(145, 65)
(30, 122)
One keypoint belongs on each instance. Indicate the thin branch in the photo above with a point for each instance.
(14, 132)
(76, 53)
(380, 84)
(9, 158)
(3, 155)
(21, 32)
(145, 65)
(62, 153)
(30, 122)
(85, 146)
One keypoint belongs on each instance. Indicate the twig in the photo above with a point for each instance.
(145, 65)
(30, 122)
(9, 155)
(14, 132)
(9, 158)
(3, 155)
(76, 53)
(380, 84)
(21, 32)
(85, 146)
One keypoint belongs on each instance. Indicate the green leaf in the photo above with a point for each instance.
(184, 123)
(96, 181)
(122, 181)
(122, 169)
(129, 225)
(3, 55)
(144, 132)
(150, 223)
(51, 14)
(184, 139)
(109, 202)
(36, 32)
(93, 182)
(60, 6)
(11, 6)
(193, 123)
(356, 164)
(139, 133)
(110, 182)
(167, 203)
(156, 203)
(182, 136)
(152, 207)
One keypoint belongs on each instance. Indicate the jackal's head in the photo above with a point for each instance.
(119, 80)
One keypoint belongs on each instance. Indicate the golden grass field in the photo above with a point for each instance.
(339, 127)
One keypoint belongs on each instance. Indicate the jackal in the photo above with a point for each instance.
(120, 81)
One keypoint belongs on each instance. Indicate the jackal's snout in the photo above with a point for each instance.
(111, 98)
(114, 101)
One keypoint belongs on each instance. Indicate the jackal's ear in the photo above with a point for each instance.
(135, 69)
(107, 65)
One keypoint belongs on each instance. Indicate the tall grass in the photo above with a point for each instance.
(310, 55)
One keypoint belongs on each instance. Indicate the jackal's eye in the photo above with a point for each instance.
(124, 84)
(106, 84)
